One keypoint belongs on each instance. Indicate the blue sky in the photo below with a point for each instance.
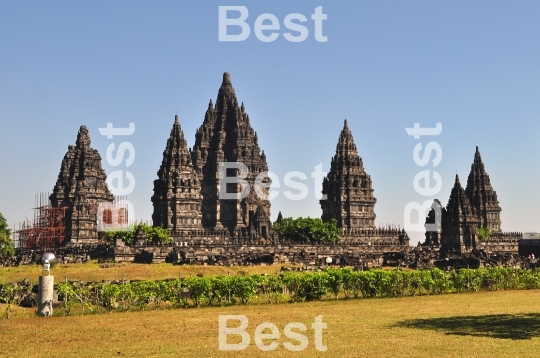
(472, 66)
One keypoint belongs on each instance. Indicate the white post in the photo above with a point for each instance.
(45, 296)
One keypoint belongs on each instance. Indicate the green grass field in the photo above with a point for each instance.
(484, 324)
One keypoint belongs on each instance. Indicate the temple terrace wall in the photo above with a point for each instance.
(248, 254)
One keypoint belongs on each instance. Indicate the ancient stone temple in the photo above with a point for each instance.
(482, 196)
(467, 210)
(226, 135)
(187, 192)
(81, 186)
(349, 198)
(349, 195)
(459, 221)
(434, 224)
(177, 191)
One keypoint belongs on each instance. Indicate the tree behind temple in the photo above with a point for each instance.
(6, 244)
(307, 230)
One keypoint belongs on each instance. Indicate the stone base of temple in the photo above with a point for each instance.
(214, 253)
(497, 243)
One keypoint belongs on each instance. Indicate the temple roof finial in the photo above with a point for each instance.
(83, 138)
(226, 77)
(226, 90)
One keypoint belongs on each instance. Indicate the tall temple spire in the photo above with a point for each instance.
(458, 199)
(176, 153)
(348, 188)
(83, 138)
(460, 220)
(81, 186)
(227, 136)
(482, 196)
(177, 198)
(226, 91)
(467, 210)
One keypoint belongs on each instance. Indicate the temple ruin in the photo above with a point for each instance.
(348, 197)
(468, 209)
(177, 195)
(186, 195)
(347, 187)
(81, 187)
(208, 228)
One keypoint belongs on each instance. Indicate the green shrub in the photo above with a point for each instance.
(154, 234)
(307, 230)
(290, 286)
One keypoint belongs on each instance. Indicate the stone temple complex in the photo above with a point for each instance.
(81, 187)
(468, 209)
(186, 193)
(236, 228)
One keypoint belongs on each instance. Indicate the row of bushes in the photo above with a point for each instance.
(288, 287)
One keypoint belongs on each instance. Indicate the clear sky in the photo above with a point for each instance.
(471, 66)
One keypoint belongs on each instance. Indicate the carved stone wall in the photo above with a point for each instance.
(233, 255)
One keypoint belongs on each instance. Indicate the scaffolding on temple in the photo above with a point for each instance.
(48, 227)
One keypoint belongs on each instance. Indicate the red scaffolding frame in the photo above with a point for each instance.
(48, 228)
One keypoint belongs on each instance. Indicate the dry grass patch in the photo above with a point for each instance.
(92, 271)
(485, 324)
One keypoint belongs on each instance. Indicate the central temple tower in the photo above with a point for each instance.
(227, 136)
(186, 194)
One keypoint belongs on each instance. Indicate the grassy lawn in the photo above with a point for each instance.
(484, 324)
(93, 271)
